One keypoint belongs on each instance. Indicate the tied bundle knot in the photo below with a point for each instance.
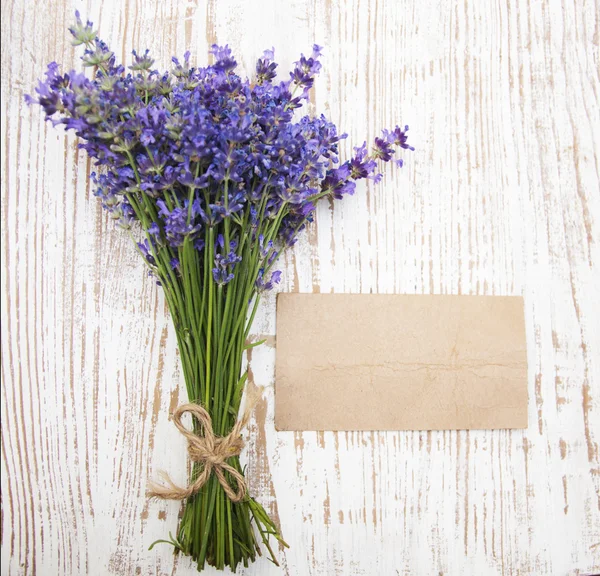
(212, 451)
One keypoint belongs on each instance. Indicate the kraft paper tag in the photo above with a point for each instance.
(399, 362)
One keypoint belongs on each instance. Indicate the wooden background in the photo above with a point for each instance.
(502, 196)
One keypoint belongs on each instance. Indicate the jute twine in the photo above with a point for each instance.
(209, 450)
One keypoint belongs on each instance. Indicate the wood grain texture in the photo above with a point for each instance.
(502, 196)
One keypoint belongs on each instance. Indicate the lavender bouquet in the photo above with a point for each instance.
(212, 176)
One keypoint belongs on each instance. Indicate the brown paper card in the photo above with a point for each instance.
(396, 362)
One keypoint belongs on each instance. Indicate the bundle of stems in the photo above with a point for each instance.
(212, 322)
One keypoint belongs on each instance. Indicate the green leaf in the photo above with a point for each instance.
(254, 344)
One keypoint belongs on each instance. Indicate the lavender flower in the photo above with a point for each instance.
(225, 261)
(265, 67)
(82, 34)
(196, 149)
(262, 286)
(306, 69)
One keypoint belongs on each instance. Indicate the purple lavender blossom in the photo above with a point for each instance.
(182, 152)
(146, 252)
(82, 34)
(225, 261)
(265, 67)
(262, 286)
(383, 150)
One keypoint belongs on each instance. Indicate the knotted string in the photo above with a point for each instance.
(209, 450)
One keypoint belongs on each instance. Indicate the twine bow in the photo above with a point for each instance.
(211, 451)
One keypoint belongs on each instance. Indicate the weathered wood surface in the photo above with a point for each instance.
(501, 197)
